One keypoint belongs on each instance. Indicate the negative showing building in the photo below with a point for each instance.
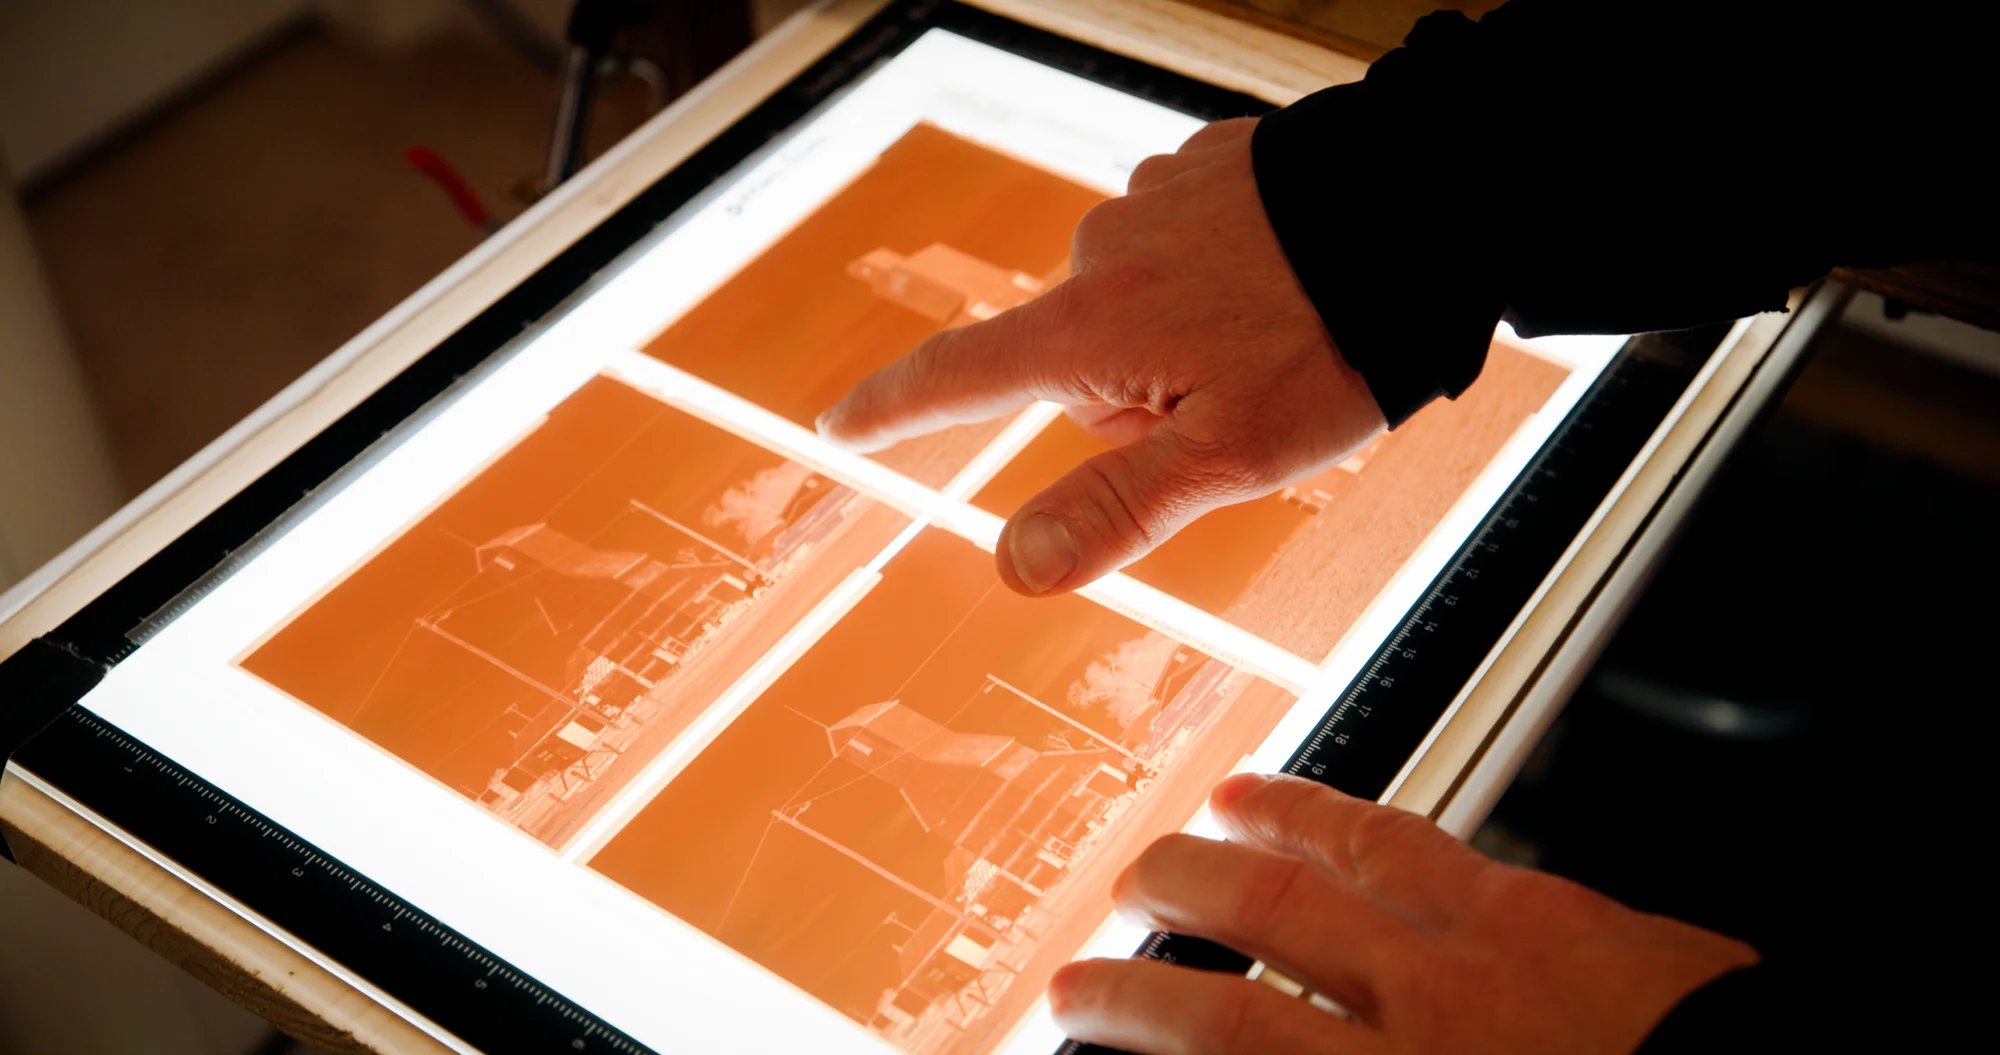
(1013, 815)
(630, 619)
(944, 284)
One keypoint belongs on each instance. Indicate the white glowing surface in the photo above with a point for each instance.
(669, 985)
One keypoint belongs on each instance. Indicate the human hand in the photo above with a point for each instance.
(1181, 335)
(1431, 946)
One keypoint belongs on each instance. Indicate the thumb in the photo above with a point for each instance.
(1110, 511)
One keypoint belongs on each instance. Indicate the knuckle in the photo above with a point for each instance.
(1308, 817)
(1107, 229)
(1209, 131)
(1273, 890)
(1151, 170)
(1094, 225)
(1218, 132)
(1224, 1025)
(1381, 830)
(1114, 494)
(1108, 213)
(1290, 807)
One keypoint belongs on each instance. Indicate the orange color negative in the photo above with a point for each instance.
(921, 819)
(1299, 567)
(538, 636)
(938, 232)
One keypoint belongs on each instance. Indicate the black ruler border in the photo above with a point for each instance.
(266, 868)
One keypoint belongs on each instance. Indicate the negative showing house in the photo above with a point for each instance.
(1014, 816)
(630, 620)
(943, 284)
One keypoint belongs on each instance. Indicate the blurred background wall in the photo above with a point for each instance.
(56, 475)
(73, 74)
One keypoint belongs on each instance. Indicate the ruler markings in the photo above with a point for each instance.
(397, 950)
(1387, 710)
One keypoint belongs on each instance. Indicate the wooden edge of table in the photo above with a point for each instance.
(84, 859)
(1480, 744)
(1242, 52)
(197, 933)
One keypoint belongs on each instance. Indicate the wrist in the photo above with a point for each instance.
(1395, 280)
(1699, 959)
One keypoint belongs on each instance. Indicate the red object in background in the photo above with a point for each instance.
(432, 164)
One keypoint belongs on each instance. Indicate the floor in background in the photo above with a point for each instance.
(1785, 742)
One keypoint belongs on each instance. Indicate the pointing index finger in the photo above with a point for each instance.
(972, 373)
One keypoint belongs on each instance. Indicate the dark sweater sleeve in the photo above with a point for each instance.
(1579, 166)
(1756, 1009)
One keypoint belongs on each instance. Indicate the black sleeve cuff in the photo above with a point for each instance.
(1739, 1011)
(1390, 269)
(1420, 203)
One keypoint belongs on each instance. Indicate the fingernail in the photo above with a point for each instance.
(824, 421)
(1043, 552)
(1232, 789)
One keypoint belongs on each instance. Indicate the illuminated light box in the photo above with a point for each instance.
(732, 739)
